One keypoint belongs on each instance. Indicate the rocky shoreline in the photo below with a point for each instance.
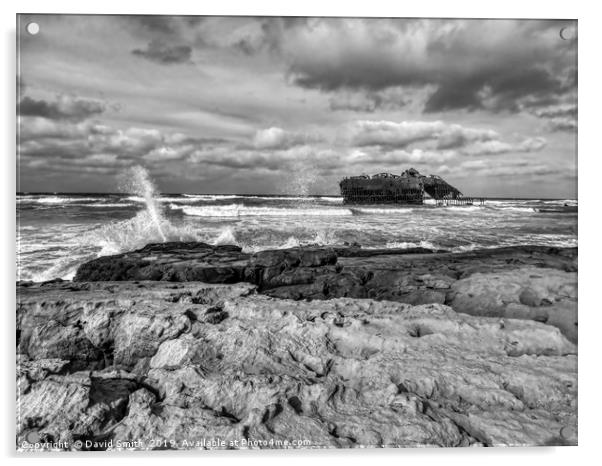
(188, 345)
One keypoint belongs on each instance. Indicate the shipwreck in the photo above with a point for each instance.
(410, 187)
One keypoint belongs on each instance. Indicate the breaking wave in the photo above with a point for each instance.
(56, 199)
(226, 236)
(462, 208)
(321, 237)
(519, 209)
(211, 197)
(381, 210)
(239, 210)
(187, 199)
(106, 205)
(148, 226)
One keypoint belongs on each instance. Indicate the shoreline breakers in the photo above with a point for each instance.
(408, 188)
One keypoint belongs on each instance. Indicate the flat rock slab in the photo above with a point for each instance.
(158, 362)
(413, 276)
(542, 294)
(175, 261)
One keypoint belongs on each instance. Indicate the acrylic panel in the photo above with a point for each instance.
(295, 232)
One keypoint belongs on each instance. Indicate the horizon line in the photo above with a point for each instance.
(20, 193)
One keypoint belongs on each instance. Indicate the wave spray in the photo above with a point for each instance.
(137, 181)
(300, 180)
(148, 226)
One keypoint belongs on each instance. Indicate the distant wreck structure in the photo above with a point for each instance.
(408, 188)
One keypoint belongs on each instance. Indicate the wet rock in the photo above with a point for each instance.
(295, 257)
(175, 261)
(413, 276)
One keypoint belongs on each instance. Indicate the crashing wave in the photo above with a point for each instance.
(382, 210)
(239, 210)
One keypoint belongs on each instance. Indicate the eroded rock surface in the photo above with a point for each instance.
(541, 294)
(163, 362)
(542, 281)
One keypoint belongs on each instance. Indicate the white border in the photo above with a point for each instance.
(590, 168)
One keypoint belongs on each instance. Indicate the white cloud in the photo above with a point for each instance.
(277, 138)
(402, 134)
(496, 147)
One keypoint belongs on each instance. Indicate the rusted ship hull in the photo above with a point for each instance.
(378, 192)
(408, 188)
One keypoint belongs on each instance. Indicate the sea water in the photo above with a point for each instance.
(56, 232)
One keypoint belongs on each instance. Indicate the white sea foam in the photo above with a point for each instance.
(107, 205)
(239, 210)
(291, 242)
(211, 197)
(555, 240)
(519, 209)
(179, 200)
(220, 197)
(282, 198)
(338, 200)
(321, 237)
(410, 244)
(562, 202)
(226, 236)
(382, 210)
(137, 232)
(472, 247)
(463, 208)
(56, 199)
(59, 267)
(325, 236)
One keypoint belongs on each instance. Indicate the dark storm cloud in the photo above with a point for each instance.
(161, 25)
(472, 64)
(65, 107)
(504, 88)
(245, 46)
(369, 101)
(164, 54)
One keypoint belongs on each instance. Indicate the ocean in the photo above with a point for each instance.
(56, 232)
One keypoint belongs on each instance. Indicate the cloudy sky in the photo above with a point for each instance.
(265, 105)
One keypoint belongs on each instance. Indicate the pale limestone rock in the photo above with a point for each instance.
(337, 373)
(542, 294)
